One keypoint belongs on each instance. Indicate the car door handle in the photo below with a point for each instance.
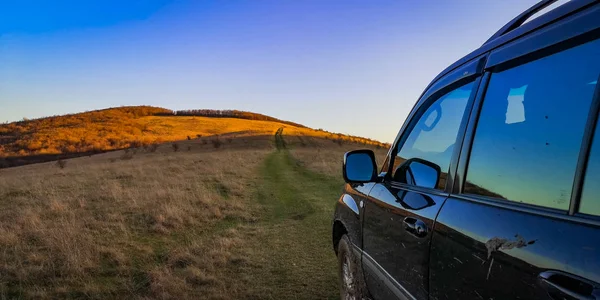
(415, 226)
(560, 285)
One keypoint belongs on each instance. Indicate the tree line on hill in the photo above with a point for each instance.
(215, 113)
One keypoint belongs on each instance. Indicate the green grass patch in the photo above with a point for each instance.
(294, 246)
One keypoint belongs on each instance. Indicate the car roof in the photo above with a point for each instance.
(517, 28)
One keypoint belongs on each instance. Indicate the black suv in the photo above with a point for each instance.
(491, 189)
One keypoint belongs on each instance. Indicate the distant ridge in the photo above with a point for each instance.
(145, 110)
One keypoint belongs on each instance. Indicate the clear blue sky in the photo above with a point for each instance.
(355, 67)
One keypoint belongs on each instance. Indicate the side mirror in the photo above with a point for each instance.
(418, 172)
(359, 166)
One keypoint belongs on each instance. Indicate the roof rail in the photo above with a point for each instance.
(520, 19)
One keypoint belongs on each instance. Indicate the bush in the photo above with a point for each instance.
(127, 155)
(189, 138)
(61, 163)
(175, 147)
(216, 143)
(152, 147)
(198, 135)
(135, 144)
(302, 142)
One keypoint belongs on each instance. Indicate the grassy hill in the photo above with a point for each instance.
(167, 217)
(133, 127)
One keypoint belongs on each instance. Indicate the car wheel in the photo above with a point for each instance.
(351, 281)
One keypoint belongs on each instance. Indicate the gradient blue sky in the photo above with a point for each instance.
(355, 67)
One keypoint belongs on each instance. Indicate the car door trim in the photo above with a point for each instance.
(528, 208)
(467, 138)
(396, 288)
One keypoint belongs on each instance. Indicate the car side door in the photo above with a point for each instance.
(513, 226)
(401, 208)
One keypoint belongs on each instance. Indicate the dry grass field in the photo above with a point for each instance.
(189, 220)
(325, 155)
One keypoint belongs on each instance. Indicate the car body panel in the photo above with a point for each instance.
(403, 254)
(499, 253)
(348, 212)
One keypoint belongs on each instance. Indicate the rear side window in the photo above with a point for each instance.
(590, 196)
(531, 126)
(434, 135)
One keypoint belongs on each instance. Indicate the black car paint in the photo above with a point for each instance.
(479, 248)
(348, 215)
(499, 253)
(402, 252)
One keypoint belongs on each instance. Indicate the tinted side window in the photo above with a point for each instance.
(434, 135)
(531, 127)
(590, 196)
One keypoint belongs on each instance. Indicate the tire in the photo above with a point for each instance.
(352, 286)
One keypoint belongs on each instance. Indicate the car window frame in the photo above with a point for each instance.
(555, 38)
(584, 156)
(466, 74)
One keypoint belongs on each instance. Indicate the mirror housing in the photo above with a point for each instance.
(418, 172)
(359, 166)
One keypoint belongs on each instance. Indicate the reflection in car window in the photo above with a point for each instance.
(434, 135)
(531, 126)
(590, 196)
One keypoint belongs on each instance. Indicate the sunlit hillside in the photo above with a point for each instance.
(126, 127)
(134, 127)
